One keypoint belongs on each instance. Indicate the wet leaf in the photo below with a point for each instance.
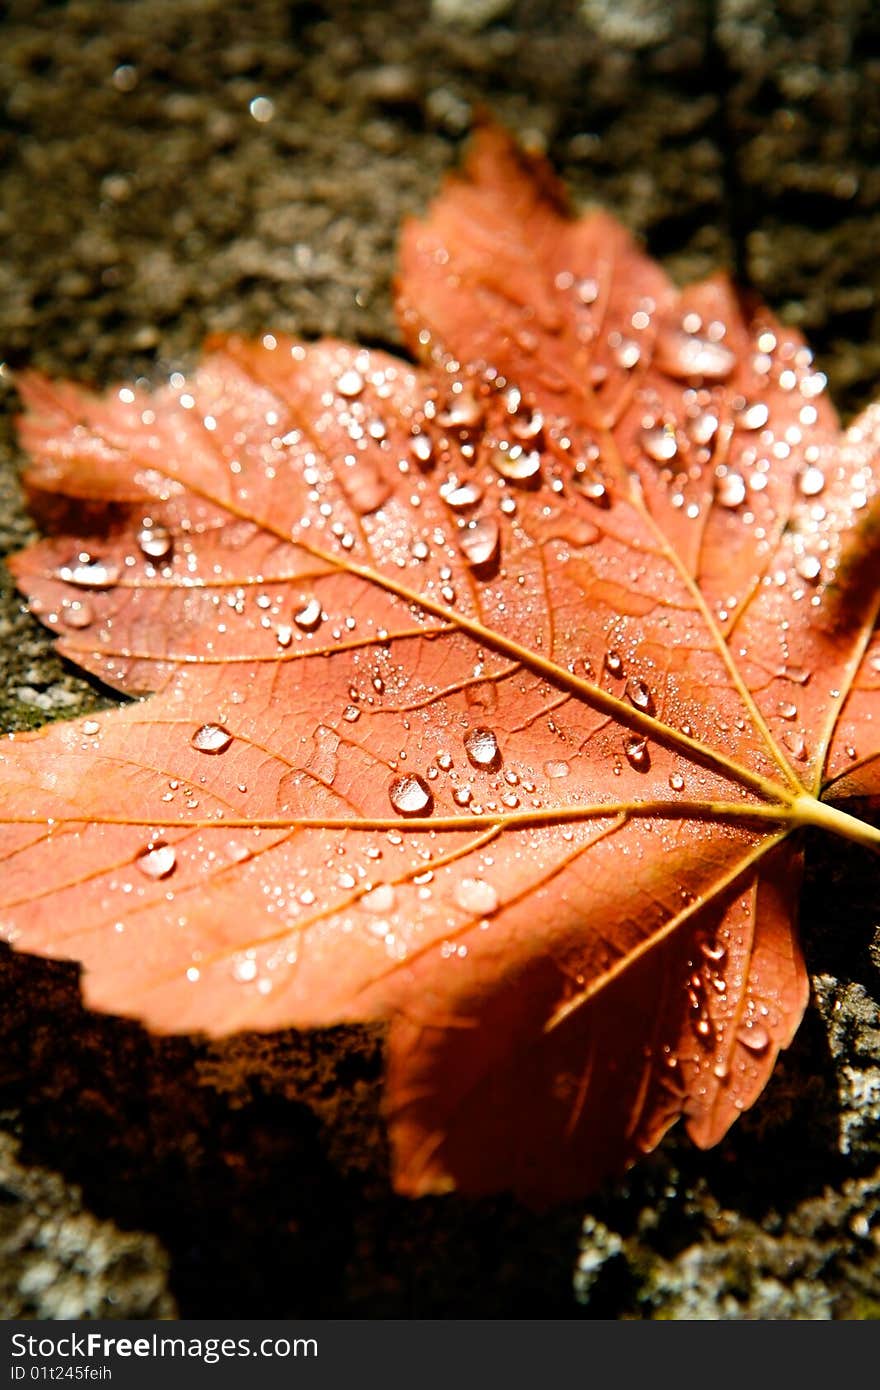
(489, 696)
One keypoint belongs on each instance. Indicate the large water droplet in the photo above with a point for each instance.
(753, 416)
(637, 755)
(477, 896)
(659, 443)
(808, 567)
(638, 694)
(812, 482)
(155, 542)
(309, 616)
(464, 413)
(211, 738)
(731, 490)
(380, 899)
(460, 496)
(479, 542)
(557, 767)
(754, 1036)
(157, 860)
(482, 749)
(684, 355)
(411, 796)
(350, 384)
(516, 464)
(89, 573)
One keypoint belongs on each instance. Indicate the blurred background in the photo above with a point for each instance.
(172, 167)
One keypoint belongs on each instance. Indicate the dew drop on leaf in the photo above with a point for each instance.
(731, 490)
(379, 899)
(556, 767)
(350, 384)
(517, 464)
(683, 355)
(460, 496)
(753, 416)
(754, 1036)
(639, 695)
(309, 616)
(88, 573)
(155, 542)
(812, 482)
(636, 749)
(411, 796)
(676, 781)
(659, 443)
(351, 714)
(482, 749)
(477, 896)
(613, 662)
(78, 614)
(157, 860)
(479, 542)
(211, 738)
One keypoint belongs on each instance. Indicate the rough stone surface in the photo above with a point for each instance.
(178, 166)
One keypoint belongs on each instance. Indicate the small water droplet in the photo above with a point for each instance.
(464, 413)
(309, 616)
(637, 755)
(157, 860)
(479, 542)
(625, 351)
(809, 567)
(91, 727)
(351, 714)
(557, 767)
(787, 710)
(422, 449)
(676, 781)
(613, 662)
(639, 695)
(283, 635)
(684, 355)
(461, 796)
(155, 542)
(88, 573)
(477, 896)
(411, 796)
(211, 738)
(796, 744)
(482, 749)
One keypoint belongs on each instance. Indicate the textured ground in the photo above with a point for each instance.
(145, 201)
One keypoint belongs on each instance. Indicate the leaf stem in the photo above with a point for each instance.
(806, 810)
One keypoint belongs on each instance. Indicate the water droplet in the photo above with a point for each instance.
(245, 970)
(283, 635)
(796, 744)
(211, 738)
(625, 351)
(676, 781)
(516, 464)
(351, 714)
(477, 896)
(460, 496)
(411, 796)
(157, 860)
(753, 416)
(637, 755)
(731, 490)
(479, 542)
(78, 614)
(464, 413)
(91, 727)
(787, 710)
(638, 694)
(557, 767)
(350, 384)
(613, 662)
(379, 899)
(754, 1036)
(704, 427)
(684, 355)
(482, 749)
(366, 487)
(461, 796)
(89, 573)
(812, 482)
(422, 448)
(659, 443)
(309, 616)
(809, 567)
(155, 542)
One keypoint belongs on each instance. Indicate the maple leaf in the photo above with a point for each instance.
(489, 696)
